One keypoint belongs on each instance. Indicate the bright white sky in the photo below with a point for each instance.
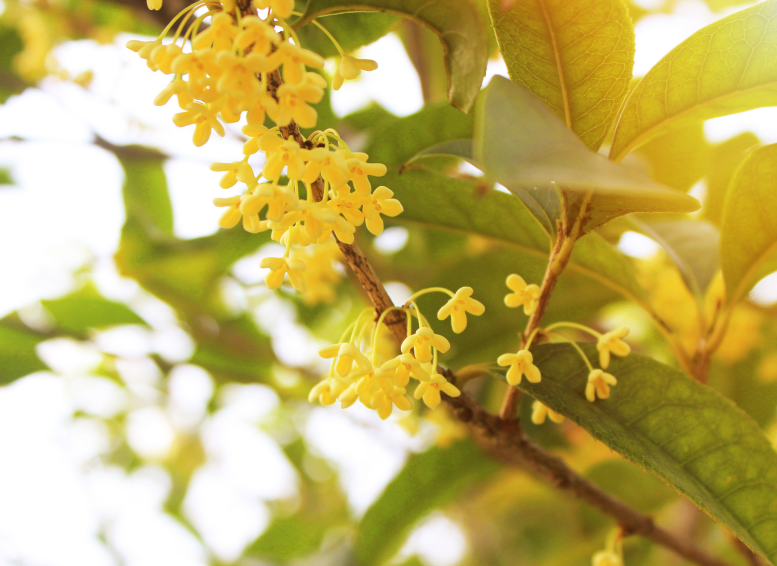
(66, 211)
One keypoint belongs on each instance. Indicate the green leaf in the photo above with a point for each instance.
(17, 349)
(577, 57)
(395, 144)
(676, 428)
(749, 231)
(85, 309)
(352, 31)
(457, 23)
(520, 142)
(437, 201)
(725, 160)
(724, 68)
(679, 158)
(5, 177)
(693, 246)
(428, 481)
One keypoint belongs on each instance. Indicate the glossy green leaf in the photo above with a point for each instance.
(437, 201)
(749, 231)
(17, 349)
(457, 23)
(86, 309)
(576, 56)
(351, 31)
(520, 142)
(680, 430)
(727, 67)
(428, 481)
(397, 143)
(693, 246)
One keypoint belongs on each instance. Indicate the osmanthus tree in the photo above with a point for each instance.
(691, 410)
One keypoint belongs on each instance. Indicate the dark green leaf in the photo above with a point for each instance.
(680, 430)
(724, 68)
(749, 231)
(520, 142)
(428, 481)
(576, 56)
(456, 22)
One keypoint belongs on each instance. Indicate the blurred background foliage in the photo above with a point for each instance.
(505, 517)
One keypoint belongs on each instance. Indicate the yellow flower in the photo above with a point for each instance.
(599, 384)
(347, 354)
(329, 164)
(343, 229)
(205, 120)
(606, 558)
(256, 34)
(383, 402)
(401, 368)
(154, 4)
(282, 154)
(294, 58)
(238, 75)
(199, 65)
(380, 202)
(320, 272)
(350, 68)
(458, 307)
(359, 169)
(177, 87)
(232, 215)
(540, 411)
(280, 267)
(164, 57)
(522, 294)
(348, 206)
(233, 172)
(278, 200)
(520, 364)
(611, 343)
(422, 343)
(318, 219)
(327, 391)
(280, 8)
(219, 35)
(430, 390)
(294, 99)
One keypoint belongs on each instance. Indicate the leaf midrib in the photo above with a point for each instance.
(557, 57)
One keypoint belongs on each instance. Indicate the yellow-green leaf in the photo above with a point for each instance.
(727, 67)
(676, 428)
(749, 229)
(576, 56)
(457, 23)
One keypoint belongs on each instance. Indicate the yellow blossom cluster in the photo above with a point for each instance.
(360, 371)
(522, 362)
(232, 69)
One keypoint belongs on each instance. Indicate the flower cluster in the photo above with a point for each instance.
(362, 371)
(522, 362)
(227, 73)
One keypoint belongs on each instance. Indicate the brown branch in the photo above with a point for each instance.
(511, 445)
(504, 438)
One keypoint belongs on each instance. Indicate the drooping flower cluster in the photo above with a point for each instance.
(231, 71)
(361, 371)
